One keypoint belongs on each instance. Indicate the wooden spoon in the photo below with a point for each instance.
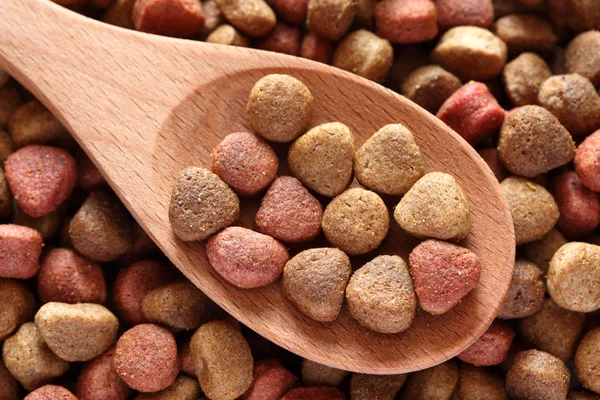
(144, 107)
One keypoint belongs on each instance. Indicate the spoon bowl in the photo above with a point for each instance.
(144, 107)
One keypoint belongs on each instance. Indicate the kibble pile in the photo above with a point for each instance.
(90, 309)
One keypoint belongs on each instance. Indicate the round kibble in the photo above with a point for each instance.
(587, 360)
(322, 158)
(212, 18)
(146, 358)
(525, 294)
(356, 221)
(226, 34)
(177, 18)
(316, 48)
(50, 392)
(9, 388)
(184, 388)
(406, 21)
(245, 162)
(586, 161)
(315, 374)
(432, 383)
(390, 161)
(581, 394)
(435, 207)
(283, 39)
(453, 13)
(407, 60)
(331, 19)
(365, 54)
(381, 295)
(479, 383)
(579, 207)
(32, 123)
(99, 380)
(582, 15)
(367, 387)
(201, 204)
(523, 77)
(523, 32)
(20, 249)
(491, 348)
(271, 381)
(315, 281)
(582, 56)
(17, 306)
(541, 251)
(293, 11)
(314, 393)
(253, 17)
(6, 198)
(430, 86)
(537, 375)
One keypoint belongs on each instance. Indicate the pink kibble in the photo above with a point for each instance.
(20, 249)
(283, 39)
(587, 161)
(314, 393)
(271, 381)
(406, 21)
(453, 13)
(579, 207)
(293, 11)
(316, 48)
(50, 392)
(177, 18)
(491, 157)
(492, 347)
(88, 176)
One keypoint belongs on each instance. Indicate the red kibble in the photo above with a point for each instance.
(491, 157)
(473, 112)
(316, 48)
(67, 277)
(587, 161)
(283, 39)
(579, 207)
(271, 381)
(40, 178)
(20, 249)
(98, 379)
(492, 347)
(293, 11)
(453, 13)
(406, 21)
(50, 392)
(88, 176)
(314, 393)
(177, 18)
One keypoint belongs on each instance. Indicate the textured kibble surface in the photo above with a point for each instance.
(526, 291)
(331, 19)
(49, 392)
(99, 379)
(491, 348)
(271, 381)
(20, 249)
(430, 86)
(252, 17)
(433, 383)
(537, 375)
(523, 77)
(180, 18)
(315, 374)
(366, 387)
(17, 306)
(365, 54)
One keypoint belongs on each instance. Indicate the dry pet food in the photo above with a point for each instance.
(365, 54)
(537, 375)
(253, 17)
(331, 19)
(432, 383)
(430, 86)
(586, 161)
(99, 380)
(523, 77)
(20, 249)
(271, 381)
(367, 387)
(491, 348)
(17, 306)
(525, 294)
(579, 207)
(179, 18)
(406, 21)
(315, 374)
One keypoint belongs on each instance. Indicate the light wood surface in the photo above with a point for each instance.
(144, 107)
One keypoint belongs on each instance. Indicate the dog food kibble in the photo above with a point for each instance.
(390, 161)
(50, 392)
(6, 198)
(177, 18)
(492, 158)
(381, 295)
(32, 123)
(6, 146)
(322, 158)
(28, 358)
(383, 387)
(280, 108)
(17, 306)
(184, 388)
(223, 360)
(471, 53)
(582, 56)
(523, 77)
(315, 374)
(491, 348)
(271, 381)
(476, 383)
(47, 225)
(245, 162)
(201, 204)
(406, 21)
(288, 212)
(331, 19)
(541, 251)
(522, 32)
(533, 208)
(146, 358)
(574, 277)
(226, 34)
(245, 258)
(253, 17)
(582, 395)
(293, 11)
(9, 388)
(88, 176)
(525, 294)
(20, 249)
(586, 161)
(587, 360)
(436, 383)
(443, 273)
(430, 86)
(435, 207)
(99, 380)
(356, 221)
(316, 48)
(365, 54)
(315, 282)
(582, 15)
(579, 207)
(537, 375)
(283, 39)
(451, 13)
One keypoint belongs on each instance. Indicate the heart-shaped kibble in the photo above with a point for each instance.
(443, 273)
(40, 178)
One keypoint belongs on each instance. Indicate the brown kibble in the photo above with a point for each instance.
(315, 281)
(48, 225)
(587, 360)
(356, 221)
(537, 375)
(32, 123)
(432, 383)
(471, 52)
(582, 394)
(29, 359)
(435, 207)
(98, 379)
(9, 388)
(523, 32)
(20, 249)
(293, 11)
(582, 15)
(119, 14)
(316, 48)
(525, 294)
(315, 374)
(583, 56)
(17, 307)
(492, 347)
(365, 14)
(146, 358)
(381, 295)
(451, 13)
(475, 383)
(253, 17)
(223, 360)
(226, 34)
(271, 381)
(541, 251)
(280, 107)
(88, 176)
(574, 277)
(184, 388)
(283, 39)
(364, 54)
(50, 392)
(331, 19)
(6, 198)
(322, 158)
(532, 141)
(6, 146)
(381, 387)
(406, 21)
(408, 59)
(10, 100)
(523, 77)
(430, 86)
(201, 204)
(390, 161)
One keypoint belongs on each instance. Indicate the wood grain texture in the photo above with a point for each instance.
(145, 107)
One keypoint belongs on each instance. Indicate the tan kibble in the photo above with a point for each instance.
(574, 277)
(582, 56)
(532, 141)
(76, 332)
(223, 360)
(252, 17)
(32, 123)
(227, 34)
(280, 107)
(10, 100)
(537, 375)
(6, 146)
(553, 329)
(356, 221)
(17, 306)
(178, 305)
(380, 387)
(381, 295)
(365, 54)
(430, 86)
(574, 101)
(587, 360)
(477, 383)
(322, 158)
(212, 17)
(315, 281)
(201, 204)
(471, 53)
(435, 207)
(523, 32)
(30, 360)
(390, 161)
(534, 211)
(432, 383)
(541, 251)
(184, 388)
(525, 295)
(523, 77)
(315, 374)
(331, 19)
